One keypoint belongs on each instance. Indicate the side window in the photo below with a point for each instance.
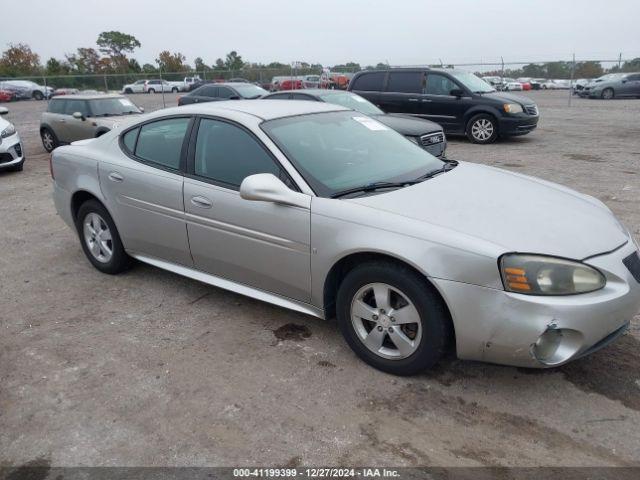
(634, 77)
(439, 85)
(73, 106)
(405, 82)
(302, 96)
(224, 92)
(228, 154)
(129, 139)
(161, 142)
(57, 106)
(208, 92)
(279, 96)
(369, 82)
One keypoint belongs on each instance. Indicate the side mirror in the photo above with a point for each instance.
(78, 116)
(456, 92)
(234, 97)
(3, 111)
(266, 187)
(141, 109)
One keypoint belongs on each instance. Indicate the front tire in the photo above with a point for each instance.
(38, 95)
(100, 239)
(482, 129)
(128, 91)
(151, 90)
(607, 94)
(392, 318)
(174, 90)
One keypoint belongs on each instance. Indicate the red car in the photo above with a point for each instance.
(526, 86)
(6, 96)
(291, 85)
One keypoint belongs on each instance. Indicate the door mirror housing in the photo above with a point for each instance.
(3, 111)
(266, 187)
(234, 97)
(456, 92)
(78, 116)
(141, 109)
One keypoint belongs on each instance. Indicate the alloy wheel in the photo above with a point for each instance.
(97, 237)
(607, 94)
(47, 141)
(482, 129)
(386, 321)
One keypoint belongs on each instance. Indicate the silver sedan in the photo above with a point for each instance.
(326, 211)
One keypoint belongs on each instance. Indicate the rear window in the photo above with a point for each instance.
(369, 82)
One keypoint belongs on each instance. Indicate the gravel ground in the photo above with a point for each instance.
(148, 368)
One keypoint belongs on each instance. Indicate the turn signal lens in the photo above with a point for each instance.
(540, 275)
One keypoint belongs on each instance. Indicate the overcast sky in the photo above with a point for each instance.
(401, 32)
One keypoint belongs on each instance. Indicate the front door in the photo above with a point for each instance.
(71, 129)
(143, 188)
(261, 244)
(438, 105)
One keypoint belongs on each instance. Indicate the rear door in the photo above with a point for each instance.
(403, 92)
(630, 85)
(261, 244)
(369, 85)
(143, 189)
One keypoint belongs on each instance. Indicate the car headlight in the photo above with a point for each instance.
(512, 107)
(7, 132)
(541, 275)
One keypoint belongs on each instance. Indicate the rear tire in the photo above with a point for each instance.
(100, 239)
(607, 94)
(128, 91)
(410, 331)
(174, 90)
(482, 129)
(49, 139)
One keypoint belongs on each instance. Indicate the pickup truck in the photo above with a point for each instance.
(158, 86)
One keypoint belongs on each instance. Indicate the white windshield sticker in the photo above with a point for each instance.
(370, 123)
(359, 99)
(126, 102)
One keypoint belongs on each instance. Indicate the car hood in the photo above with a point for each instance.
(504, 97)
(515, 212)
(408, 125)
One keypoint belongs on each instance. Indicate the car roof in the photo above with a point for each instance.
(98, 96)
(264, 109)
(412, 69)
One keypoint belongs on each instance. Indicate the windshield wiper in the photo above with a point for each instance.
(373, 186)
(448, 165)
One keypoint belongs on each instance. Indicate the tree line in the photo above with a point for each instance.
(112, 54)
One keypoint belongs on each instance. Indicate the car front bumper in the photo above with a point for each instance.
(542, 331)
(517, 125)
(11, 151)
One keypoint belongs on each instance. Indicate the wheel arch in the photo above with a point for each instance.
(348, 262)
(481, 110)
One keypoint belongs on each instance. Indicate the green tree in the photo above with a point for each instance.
(200, 65)
(588, 70)
(148, 68)
(116, 45)
(86, 61)
(233, 61)
(533, 70)
(57, 67)
(19, 60)
(171, 62)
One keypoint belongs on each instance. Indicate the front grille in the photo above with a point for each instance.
(5, 157)
(431, 139)
(632, 262)
(531, 109)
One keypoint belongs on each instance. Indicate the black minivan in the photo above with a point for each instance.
(459, 101)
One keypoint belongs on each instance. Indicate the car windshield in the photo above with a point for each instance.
(106, 107)
(250, 91)
(352, 101)
(472, 82)
(337, 151)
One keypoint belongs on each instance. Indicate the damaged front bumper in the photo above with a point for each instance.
(542, 331)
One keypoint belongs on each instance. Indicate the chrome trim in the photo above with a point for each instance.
(423, 138)
(232, 286)
(426, 115)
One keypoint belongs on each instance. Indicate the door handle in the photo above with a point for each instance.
(413, 99)
(115, 177)
(201, 202)
(426, 100)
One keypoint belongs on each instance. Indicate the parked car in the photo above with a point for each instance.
(68, 119)
(579, 84)
(311, 81)
(159, 86)
(26, 89)
(135, 87)
(291, 84)
(512, 87)
(495, 82)
(427, 134)
(593, 83)
(11, 148)
(620, 86)
(536, 83)
(7, 96)
(191, 83)
(65, 91)
(222, 91)
(459, 101)
(238, 80)
(410, 253)
(551, 85)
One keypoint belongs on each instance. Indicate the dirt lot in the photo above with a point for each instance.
(149, 368)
